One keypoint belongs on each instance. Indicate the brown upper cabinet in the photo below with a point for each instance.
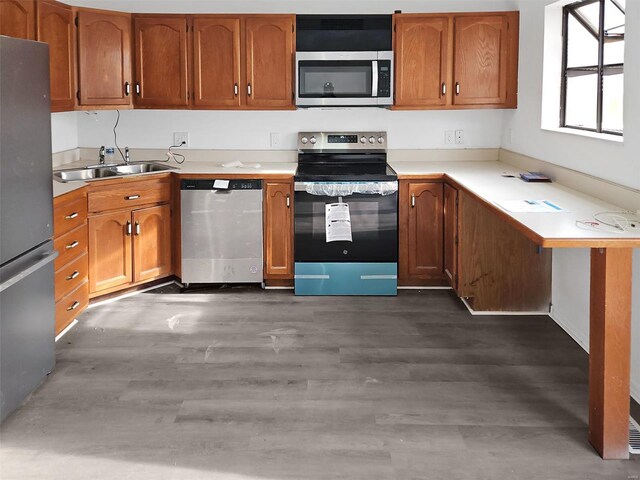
(243, 61)
(216, 62)
(104, 58)
(18, 18)
(55, 27)
(462, 60)
(161, 52)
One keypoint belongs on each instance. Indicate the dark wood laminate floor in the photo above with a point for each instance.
(242, 384)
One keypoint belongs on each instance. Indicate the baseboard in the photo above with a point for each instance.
(479, 313)
(424, 287)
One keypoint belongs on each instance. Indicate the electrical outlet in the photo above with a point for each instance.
(459, 137)
(275, 140)
(181, 139)
(449, 137)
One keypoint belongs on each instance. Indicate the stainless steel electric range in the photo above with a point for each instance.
(346, 215)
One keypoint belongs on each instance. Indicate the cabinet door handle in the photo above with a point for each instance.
(132, 197)
(288, 201)
(137, 228)
(73, 275)
(457, 88)
(75, 305)
(138, 88)
(413, 200)
(73, 244)
(235, 89)
(128, 228)
(71, 216)
(127, 88)
(249, 89)
(444, 88)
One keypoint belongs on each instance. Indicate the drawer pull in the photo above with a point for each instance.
(73, 244)
(132, 197)
(75, 305)
(72, 216)
(73, 275)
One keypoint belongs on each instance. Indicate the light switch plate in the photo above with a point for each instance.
(180, 137)
(449, 137)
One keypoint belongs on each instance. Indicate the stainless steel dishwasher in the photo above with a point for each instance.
(221, 231)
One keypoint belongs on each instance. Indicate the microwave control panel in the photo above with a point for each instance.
(384, 78)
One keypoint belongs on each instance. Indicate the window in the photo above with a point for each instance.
(593, 66)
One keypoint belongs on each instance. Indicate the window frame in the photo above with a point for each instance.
(601, 70)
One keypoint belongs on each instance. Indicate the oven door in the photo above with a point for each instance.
(373, 212)
(342, 78)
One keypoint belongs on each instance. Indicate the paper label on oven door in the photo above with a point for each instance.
(338, 222)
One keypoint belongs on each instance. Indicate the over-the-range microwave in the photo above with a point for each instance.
(344, 79)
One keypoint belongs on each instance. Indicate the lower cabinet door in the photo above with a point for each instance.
(421, 233)
(278, 230)
(151, 243)
(109, 250)
(451, 235)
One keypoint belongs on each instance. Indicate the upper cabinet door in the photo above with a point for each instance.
(55, 27)
(18, 18)
(161, 61)
(216, 62)
(481, 59)
(269, 61)
(104, 56)
(421, 53)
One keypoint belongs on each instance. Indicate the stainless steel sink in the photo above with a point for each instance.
(93, 173)
(142, 167)
(85, 174)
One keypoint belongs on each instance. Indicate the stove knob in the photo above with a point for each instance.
(380, 139)
(372, 140)
(304, 140)
(313, 140)
(363, 139)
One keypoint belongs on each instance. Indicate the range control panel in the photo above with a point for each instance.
(317, 141)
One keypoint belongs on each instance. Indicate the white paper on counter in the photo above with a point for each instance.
(338, 221)
(221, 184)
(530, 206)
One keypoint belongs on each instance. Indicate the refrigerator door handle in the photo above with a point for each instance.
(50, 257)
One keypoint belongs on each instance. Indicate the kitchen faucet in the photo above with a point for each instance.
(127, 159)
(101, 155)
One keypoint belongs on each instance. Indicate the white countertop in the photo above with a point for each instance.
(485, 179)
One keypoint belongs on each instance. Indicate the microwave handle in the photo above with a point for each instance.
(374, 78)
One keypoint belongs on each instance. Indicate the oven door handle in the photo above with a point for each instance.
(374, 78)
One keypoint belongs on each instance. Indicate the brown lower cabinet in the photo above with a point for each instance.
(451, 235)
(278, 231)
(420, 232)
(129, 245)
(71, 267)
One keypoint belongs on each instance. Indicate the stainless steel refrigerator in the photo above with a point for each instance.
(27, 309)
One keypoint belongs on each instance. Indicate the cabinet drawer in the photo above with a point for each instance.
(69, 212)
(71, 276)
(70, 306)
(129, 194)
(70, 245)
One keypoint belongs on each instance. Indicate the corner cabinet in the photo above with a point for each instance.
(243, 62)
(18, 18)
(129, 233)
(454, 61)
(104, 59)
(278, 230)
(421, 233)
(56, 27)
(451, 235)
(161, 66)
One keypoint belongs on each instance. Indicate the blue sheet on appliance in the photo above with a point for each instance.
(338, 221)
(344, 189)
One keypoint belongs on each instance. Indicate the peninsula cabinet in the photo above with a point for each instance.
(451, 235)
(129, 233)
(421, 233)
(55, 23)
(161, 65)
(104, 59)
(278, 231)
(243, 61)
(452, 61)
(18, 18)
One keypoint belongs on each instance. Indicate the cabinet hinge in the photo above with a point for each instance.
(293, 28)
(188, 95)
(76, 21)
(456, 240)
(78, 94)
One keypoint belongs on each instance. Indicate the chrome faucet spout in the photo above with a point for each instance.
(101, 155)
(127, 158)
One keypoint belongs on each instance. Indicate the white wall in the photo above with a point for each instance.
(614, 161)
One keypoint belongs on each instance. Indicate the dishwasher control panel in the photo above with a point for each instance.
(220, 184)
